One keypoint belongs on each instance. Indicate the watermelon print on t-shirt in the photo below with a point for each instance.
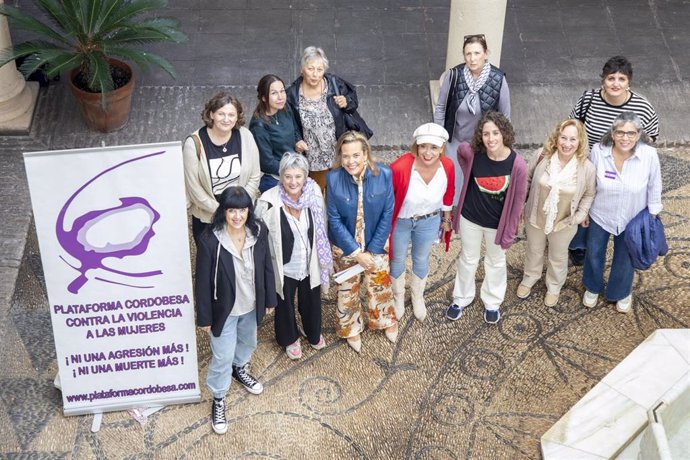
(495, 187)
(486, 190)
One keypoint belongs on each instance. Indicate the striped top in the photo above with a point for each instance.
(600, 114)
(622, 195)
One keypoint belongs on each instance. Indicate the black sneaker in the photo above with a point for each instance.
(218, 420)
(577, 256)
(246, 379)
(492, 316)
(454, 312)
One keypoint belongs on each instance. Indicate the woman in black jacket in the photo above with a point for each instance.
(321, 100)
(234, 289)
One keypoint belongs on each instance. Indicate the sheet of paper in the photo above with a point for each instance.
(348, 273)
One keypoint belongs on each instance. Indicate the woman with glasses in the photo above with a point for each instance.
(597, 108)
(628, 180)
(274, 129)
(468, 91)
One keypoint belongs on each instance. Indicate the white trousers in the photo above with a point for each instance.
(493, 289)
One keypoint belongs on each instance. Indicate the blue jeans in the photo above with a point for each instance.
(620, 280)
(579, 241)
(235, 346)
(267, 182)
(422, 233)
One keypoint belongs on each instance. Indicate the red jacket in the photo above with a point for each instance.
(402, 171)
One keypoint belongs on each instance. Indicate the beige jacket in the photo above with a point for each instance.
(268, 209)
(200, 200)
(582, 200)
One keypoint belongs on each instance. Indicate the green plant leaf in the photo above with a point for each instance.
(23, 21)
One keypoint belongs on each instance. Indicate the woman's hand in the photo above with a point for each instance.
(301, 147)
(341, 101)
(269, 310)
(585, 223)
(366, 260)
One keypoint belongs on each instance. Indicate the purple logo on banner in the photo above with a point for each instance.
(74, 241)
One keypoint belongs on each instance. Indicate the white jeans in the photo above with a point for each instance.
(493, 289)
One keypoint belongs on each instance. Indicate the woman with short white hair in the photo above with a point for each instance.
(321, 100)
(294, 213)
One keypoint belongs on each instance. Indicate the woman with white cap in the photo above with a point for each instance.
(423, 184)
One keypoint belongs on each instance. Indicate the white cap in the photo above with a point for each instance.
(430, 133)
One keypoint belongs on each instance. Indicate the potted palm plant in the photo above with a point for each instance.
(86, 38)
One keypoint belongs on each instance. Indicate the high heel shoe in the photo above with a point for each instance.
(392, 333)
(355, 343)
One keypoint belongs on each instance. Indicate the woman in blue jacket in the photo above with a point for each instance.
(360, 212)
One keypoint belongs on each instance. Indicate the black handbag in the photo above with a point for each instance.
(353, 121)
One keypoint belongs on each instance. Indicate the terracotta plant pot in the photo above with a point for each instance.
(118, 103)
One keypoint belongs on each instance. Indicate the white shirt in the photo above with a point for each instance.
(621, 196)
(423, 198)
(298, 267)
(245, 293)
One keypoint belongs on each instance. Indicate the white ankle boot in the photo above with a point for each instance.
(399, 295)
(417, 294)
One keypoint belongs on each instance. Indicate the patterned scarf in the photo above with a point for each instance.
(557, 178)
(475, 85)
(309, 200)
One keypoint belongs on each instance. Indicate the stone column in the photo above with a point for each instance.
(469, 17)
(17, 97)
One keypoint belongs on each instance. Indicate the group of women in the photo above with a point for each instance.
(266, 237)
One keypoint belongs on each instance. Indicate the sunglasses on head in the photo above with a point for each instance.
(467, 38)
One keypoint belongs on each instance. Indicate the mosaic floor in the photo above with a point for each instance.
(446, 390)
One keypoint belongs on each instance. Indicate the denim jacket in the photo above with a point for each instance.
(342, 209)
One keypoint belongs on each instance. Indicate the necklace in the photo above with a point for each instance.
(222, 147)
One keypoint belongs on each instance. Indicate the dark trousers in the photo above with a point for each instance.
(198, 228)
(309, 306)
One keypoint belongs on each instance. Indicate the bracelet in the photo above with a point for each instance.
(446, 221)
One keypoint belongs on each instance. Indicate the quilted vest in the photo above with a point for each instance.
(488, 94)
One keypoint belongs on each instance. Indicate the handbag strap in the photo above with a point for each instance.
(582, 115)
(331, 78)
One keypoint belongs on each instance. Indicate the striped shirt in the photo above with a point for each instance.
(621, 196)
(598, 115)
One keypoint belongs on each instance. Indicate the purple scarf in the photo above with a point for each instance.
(309, 200)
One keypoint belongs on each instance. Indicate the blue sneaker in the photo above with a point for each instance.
(492, 316)
(454, 312)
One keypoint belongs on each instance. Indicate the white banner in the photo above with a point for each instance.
(112, 230)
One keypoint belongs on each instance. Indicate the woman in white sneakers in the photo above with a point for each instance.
(628, 181)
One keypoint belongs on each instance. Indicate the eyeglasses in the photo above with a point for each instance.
(467, 38)
(621, 134)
